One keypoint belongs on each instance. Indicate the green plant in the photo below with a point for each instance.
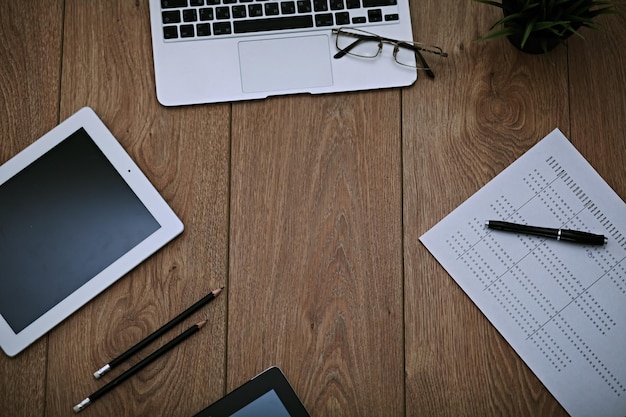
(545, 19)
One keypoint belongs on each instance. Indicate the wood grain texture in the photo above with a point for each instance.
(30, 53)
(107, 65)
(30, 57)
(309, 209)
(315, 273)
(598, 98)
(488, 105)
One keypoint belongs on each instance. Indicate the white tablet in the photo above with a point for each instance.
(76, 214)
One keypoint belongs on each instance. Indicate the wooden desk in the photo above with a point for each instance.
(308, 210)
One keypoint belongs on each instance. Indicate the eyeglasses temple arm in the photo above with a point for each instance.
(425, 65)
(418, 56)
(343, 52)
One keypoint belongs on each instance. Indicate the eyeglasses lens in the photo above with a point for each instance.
(358, 43)
(406, 56)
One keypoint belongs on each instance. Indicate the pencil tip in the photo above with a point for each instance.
(217, 291)
(201, 324)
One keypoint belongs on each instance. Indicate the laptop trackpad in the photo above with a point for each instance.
(285, 64)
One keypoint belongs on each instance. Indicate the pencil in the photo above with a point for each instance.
(137, 367)
(167, 326)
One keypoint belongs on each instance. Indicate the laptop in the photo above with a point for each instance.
(209, 51)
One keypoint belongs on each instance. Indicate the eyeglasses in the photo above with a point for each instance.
(359, 43)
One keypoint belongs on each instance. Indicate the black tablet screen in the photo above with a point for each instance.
(266, 405)
(63, 219)
(268, 394)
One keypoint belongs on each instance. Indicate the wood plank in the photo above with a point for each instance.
(30, 72)
(29, 93)
(316, 262)
(488, 105)
(322, 189)
(107, 65)
(598, 98)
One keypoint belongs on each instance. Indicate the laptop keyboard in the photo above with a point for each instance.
(200, 19)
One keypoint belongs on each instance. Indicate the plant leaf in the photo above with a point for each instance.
(527, 32)
(498, 34)
(489, 2)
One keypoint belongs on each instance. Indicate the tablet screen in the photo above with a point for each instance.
(267, 404)
(267, 394)
(63, 219)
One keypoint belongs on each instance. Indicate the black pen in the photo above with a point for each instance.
(167, 326)
(140, 365)
(567, 235)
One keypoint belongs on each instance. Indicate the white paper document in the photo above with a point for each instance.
(561, 306)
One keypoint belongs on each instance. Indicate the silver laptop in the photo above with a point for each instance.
(208, 51)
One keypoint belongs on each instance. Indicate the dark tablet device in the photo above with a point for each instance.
(266, 395)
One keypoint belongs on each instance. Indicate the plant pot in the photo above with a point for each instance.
(538, 42)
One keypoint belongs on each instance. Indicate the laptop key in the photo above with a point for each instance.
(206, 13)
(222, 28)
(170, 32)
(255, 10)
(276, 23)
(375, 15)
(336, 5)
(203, 29)
(342, 18)
(171, 16)
(320, 5)
(325, 19)
(190, 15)
(239, 12)
(353, 4)
(288, 7)
(172, 4)
(379, 3)
(271, 9)
(304, 6)
(222, 13)
(187, 31)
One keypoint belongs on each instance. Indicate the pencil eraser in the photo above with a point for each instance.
(81, 405)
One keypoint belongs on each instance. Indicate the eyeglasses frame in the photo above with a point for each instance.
(362, 35)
